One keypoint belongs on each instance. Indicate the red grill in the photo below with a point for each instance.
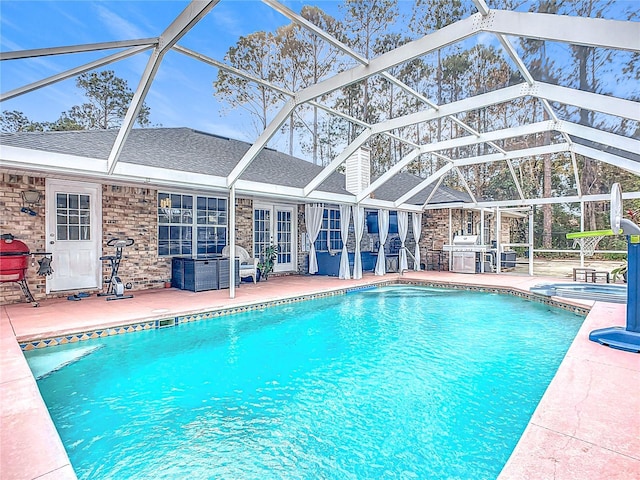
(14, 261)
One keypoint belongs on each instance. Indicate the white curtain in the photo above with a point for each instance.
(383, 229)
(403, 228)
(358, 225)
(417, 230)
(313, 218)
(345, 217)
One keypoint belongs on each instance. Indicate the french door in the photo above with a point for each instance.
(275, 225)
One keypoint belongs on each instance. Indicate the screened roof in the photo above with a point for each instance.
(477, 98)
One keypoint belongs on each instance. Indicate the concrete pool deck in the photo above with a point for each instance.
(587, 425)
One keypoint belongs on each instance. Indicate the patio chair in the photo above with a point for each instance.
(248, 265)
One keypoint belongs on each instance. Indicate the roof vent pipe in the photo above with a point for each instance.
(358, 171)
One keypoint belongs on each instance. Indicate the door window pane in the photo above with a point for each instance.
(261, 231)
(73, 216)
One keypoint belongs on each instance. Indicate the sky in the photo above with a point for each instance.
(182, 93)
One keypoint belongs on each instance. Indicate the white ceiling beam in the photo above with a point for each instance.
(387, 175)
(424, 184)
(482, 138)
(587, 100)
(532, 201)
(465, 184)
(261, 142)
(300, 20)
(615, 160)
(494, 157)
(482, 6)
(190, 16)
(345, 49)
(591, 32)
(73, 72)
(600, 136)
(433, 191)
(88, 47)
(472, 103)
(388, 205)
(409, 51)
(495, 135)
(575, 30)
(336, 162)
(576, 175)
(242, 74)
(228, 68)
(515, 179)
(513, 154)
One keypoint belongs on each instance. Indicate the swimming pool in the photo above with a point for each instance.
(407, 382)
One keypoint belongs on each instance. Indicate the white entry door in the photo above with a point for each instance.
(74, 233)
(275, 224)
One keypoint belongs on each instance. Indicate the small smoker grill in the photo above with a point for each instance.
(14, 261)
(463, 253)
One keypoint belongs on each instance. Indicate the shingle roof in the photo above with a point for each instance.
(194, 151)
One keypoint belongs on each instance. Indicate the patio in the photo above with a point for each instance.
(574, 433)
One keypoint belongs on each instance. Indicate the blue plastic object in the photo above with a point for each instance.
(628, 338)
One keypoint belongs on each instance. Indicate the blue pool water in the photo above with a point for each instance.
(395, 382)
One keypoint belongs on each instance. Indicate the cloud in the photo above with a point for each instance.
(117, 25)
(226, 130)
(226, 19)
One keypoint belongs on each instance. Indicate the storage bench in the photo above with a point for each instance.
(200, 274)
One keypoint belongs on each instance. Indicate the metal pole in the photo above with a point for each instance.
(232, 241)
(582, 230)
(498, 249)
(483, 253)
(531, 241)
(450, 240)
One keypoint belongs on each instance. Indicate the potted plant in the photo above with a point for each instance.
(267, 261)
(620, 271)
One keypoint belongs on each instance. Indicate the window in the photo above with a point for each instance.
(180, 232)
(212, 220)
(329, 236)
(469, 223)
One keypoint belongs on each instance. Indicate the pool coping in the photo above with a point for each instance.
(536, 452)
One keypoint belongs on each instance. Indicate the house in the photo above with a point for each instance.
(168, 194)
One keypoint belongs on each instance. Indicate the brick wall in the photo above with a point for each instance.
(26, 228)
(244, 224)
(131, 212)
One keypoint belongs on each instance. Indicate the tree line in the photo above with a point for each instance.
(107, 100)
